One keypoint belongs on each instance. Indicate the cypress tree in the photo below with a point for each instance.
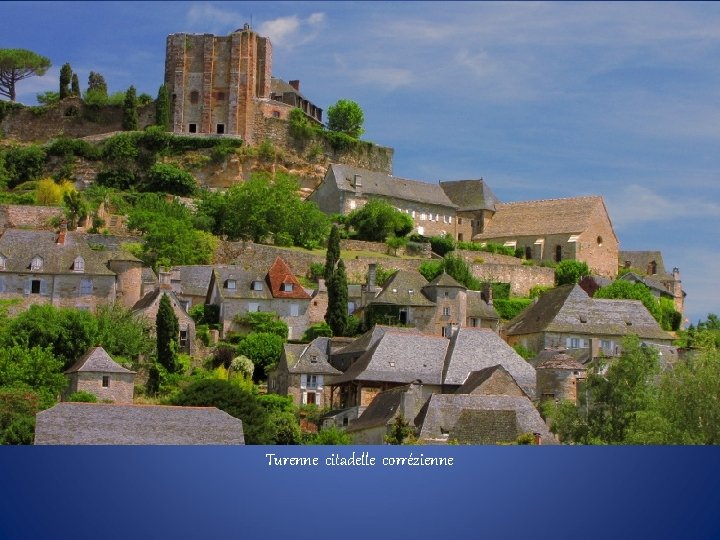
(162, 108)
(75, 85)
(96, 83)
(337, 311)
(168, 330)
(130, 115)
(333, 252)
(65, 78)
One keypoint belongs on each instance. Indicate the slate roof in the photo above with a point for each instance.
(650, 282)
(194, 279)
(299, 357)
(473, 349)
(445, 280)
(20, 246)
(641, 259)
(149, 277)
(560, 360)
(477, 378)
(538, 218)
(581, 356)
(470, 195)
(404, 288)
(400, 357)
(477, 307)
(485, 427)
(386, 185)
(564, 308)
(381, 410)
(101, 424)
(440, 415)
(98, 361)
(279, 274)
(243, 281)
(279, 86)
(368, 340)
(150, 298)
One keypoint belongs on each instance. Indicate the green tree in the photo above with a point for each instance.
(76, 207)
(65, 80)
(377, 220)
(236, 400)
(263, 322)
(122, 335)
(167, 331)
(162, 108)
(621, 289)
(48, 98)
(329, 436)
(346, 117)
(130, 114)
(264, 349)
(321, 329)
(456, 267)
(34, 368)
(337, 311)
(75, 85)
(19, 64)
(168, 178)
(18, 407)
(332, 255)
(442, 245)
(570, 271)
(401, 432)
(97, 92)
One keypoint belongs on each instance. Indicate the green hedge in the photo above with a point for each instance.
(511, 307)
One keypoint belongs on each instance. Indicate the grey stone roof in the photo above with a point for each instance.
(101, 423)
(560, 360)
(386, 185)
(243, 276)
(368, 340)
(400, 357)
(194, 279)
(382, 409)
(439, 417)
(98, 361)
(446, 280)
(477, 307)
(149, 277)
(153, 296)
(309, 358)
(470, 195)
(473, 349)
(650, 282)
(477, 378)
(20, 246)
(564, 308)
(537, 218)
(404, 288)
(641, 259)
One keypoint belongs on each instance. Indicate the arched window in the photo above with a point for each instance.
(558, 253)
(36, 263)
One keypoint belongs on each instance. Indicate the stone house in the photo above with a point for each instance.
(223, 85)
(476, 205)
(190, 284)
(576, 228)
(304, 373)
(126, 424)
(386, 357)
(407, 298)
(100, 375)
(566, 316)
(239, 290)
(65, 270)
(560, 376)
(148, 306)
(647, 267)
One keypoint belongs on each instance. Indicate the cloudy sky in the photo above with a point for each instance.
(542, 100)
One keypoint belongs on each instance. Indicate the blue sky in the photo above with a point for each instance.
(542, 100)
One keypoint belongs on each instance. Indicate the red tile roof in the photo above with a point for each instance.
(280, 273)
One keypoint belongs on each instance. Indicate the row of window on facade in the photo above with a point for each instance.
(257, 285)
(424, 216)
(39, 286)
(254, 307)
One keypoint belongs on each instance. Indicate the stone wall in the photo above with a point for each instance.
(379, 247)
(521, 278)
(119, 389)
(69, 118)
(15, 216)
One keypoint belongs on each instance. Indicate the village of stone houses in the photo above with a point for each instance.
(226, 263)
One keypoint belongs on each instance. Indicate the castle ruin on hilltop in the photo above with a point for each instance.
(223, 85)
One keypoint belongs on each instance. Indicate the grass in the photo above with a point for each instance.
(349, 254)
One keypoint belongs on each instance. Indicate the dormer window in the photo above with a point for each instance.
(313, 359)
(286, 287)
(36, 264)
(257, 285)
(231, 284)
(79, 264)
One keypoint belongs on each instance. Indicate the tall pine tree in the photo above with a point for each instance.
(337, 311)
(162, 108)
(65, 78)
(75, 85)
(168, 330)
(130, 115)
(333, 252)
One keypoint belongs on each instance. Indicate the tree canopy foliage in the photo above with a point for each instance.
(19, 64)
(570, 271)
(377, 220)
(346, 117)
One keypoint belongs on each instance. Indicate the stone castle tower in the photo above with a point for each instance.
(215, 81)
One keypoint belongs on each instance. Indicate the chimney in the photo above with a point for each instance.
(487, 294)
(295, 85)
(537, 438)
(164, 277)
(372, 273)
(61, 234)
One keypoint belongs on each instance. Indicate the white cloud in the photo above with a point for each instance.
(27, 89)
(638, 204)
(387, 77)
(208, 18)
(292, 31)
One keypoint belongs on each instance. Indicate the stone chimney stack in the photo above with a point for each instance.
(372, 275)
(487, 294)
(62, 233)
(164, 278)
(295, 84)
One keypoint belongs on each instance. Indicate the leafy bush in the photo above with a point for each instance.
(263, 321)
(316, 271)
(300, 127)
(321, 329)
(511, 307)
(526, 353)
(67, 147)
(23, 163)
(329, 436)
(570, 271)
(442, 245)
(119, 178)
(82, 397)
(264, 349)
(167, 178)
(377, 220)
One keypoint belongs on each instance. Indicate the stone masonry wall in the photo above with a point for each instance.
(20, 216)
